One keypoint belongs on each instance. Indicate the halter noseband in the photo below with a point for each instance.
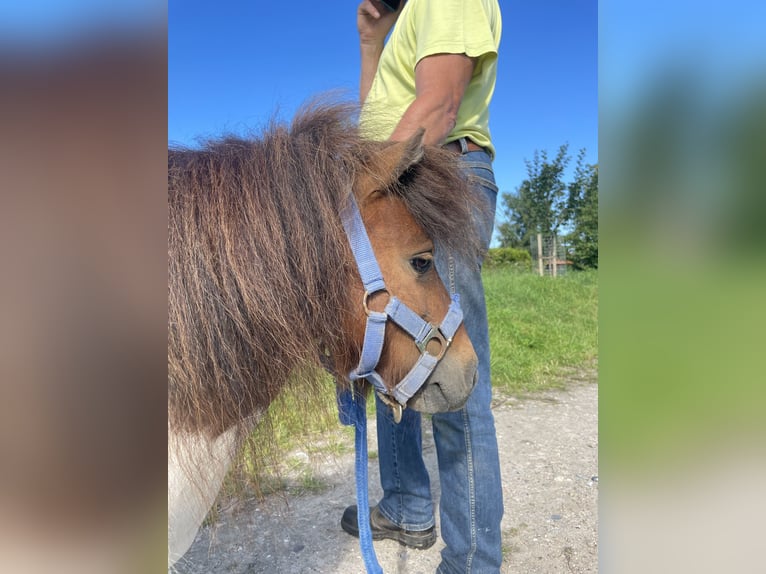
(420, 330)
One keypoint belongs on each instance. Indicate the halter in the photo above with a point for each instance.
(420, 330)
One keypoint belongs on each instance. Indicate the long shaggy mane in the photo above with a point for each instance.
(258, 262)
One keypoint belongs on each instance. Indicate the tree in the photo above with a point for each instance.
(539, 205)
(582, 212)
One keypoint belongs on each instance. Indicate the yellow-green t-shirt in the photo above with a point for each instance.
(425, 28)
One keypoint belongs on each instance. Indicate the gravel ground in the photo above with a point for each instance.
(549, 460)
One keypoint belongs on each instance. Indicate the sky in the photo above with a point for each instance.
(48, 22)
(233, 64)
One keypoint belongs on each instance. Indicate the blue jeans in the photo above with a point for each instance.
(469, 469)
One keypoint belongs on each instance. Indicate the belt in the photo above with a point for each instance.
(457, 148)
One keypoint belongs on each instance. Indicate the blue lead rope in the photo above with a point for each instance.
(352, 410)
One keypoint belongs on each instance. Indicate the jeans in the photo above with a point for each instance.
(471, 505)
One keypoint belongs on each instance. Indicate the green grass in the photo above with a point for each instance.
(683, 368)
(281, 453)
(540, 327)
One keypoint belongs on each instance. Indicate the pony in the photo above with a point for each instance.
(263, 285)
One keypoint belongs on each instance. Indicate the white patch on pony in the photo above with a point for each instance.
(196, 469)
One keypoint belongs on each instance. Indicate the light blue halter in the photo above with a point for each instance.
(420, 330)
(351, 402)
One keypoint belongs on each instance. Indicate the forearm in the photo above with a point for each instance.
(373, 23)
(370, 55)
(435, 114)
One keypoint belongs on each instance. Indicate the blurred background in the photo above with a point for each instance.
(682, 123)
(682, 140)
(83, 172)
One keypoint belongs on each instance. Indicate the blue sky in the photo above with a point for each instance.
(721, 45)
(233, 64)
(46, 22)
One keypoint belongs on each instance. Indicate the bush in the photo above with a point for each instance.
(508, 257)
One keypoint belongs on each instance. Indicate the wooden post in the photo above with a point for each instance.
(554, 258)
(540, 254)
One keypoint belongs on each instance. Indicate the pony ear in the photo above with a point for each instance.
(409, 153)
(391, 162)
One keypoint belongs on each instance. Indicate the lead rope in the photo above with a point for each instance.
(352, 410)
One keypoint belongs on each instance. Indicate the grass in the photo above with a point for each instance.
(294, 436)
(684, 363)
(539, 328)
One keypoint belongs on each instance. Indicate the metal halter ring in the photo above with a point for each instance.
(368, 294)
(434, 333)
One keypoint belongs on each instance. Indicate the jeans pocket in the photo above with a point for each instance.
(484, 182)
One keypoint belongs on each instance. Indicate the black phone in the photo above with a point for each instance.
(392, 5)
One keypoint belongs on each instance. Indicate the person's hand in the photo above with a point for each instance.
(374, 20)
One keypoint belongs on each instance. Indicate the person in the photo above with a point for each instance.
(437, 71)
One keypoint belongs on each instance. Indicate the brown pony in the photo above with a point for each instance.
(261, 281)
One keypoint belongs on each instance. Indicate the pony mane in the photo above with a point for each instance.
(258, 262)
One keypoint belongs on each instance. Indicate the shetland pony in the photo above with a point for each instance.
(262, 281)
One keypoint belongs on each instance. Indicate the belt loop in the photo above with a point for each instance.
(463, 145)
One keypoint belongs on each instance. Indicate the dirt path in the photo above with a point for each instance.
(549, 460)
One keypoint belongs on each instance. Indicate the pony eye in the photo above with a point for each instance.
(421, 265)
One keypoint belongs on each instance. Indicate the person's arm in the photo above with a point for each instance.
(440, 83)
(373, 21)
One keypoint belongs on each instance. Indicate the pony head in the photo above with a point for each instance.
(406, 253)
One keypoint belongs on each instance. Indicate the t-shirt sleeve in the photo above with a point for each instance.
(453, 27)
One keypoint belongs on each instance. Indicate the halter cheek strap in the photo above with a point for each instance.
(422, 332)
